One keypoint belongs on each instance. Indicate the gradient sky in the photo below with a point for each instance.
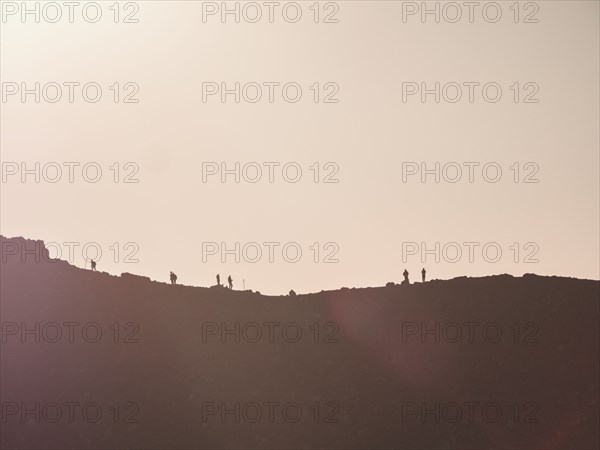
(369, 134)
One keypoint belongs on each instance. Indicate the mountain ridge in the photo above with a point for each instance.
(22, 242)
(190, 364)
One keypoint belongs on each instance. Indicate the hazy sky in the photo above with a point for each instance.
(370, 215)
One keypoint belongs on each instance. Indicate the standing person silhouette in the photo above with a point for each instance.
(230, 281)
(173, 278)
(93, 265)
(406, 276)
(423, 272)
(218, 280)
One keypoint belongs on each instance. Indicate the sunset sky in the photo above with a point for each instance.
(368, 136)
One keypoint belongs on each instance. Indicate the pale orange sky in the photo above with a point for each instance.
(369, 133)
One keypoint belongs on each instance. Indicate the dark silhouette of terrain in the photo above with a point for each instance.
(369, 361)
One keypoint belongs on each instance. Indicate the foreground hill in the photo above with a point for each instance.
(90, 360)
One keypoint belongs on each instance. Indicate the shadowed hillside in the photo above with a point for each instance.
(91, 360)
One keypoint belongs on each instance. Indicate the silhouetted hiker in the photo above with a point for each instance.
(423, 272)
(173, 278)
(218, 280)
(406, 277)
(93, 265)
(230, 281)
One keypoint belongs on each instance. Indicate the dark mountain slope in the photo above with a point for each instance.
(494, 362)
